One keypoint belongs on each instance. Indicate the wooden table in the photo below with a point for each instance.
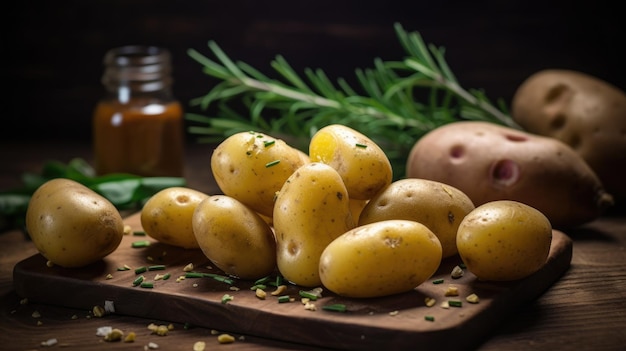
(584, 310)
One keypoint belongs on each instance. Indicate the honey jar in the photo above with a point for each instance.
(138, 124)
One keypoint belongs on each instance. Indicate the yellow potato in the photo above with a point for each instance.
(438, 206)
(251, 167)
(362, 164)
(312, 209)
(379, 259)
(234, 237)
(504, 240)
(71, 225)
(166, 216)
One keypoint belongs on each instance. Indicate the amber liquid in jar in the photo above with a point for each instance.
(138, 126)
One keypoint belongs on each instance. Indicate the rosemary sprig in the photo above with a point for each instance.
(397, 101)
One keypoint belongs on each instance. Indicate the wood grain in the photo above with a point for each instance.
(369, 324)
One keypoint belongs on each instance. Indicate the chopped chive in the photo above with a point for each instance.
(166, 276)
(429, 318)
(338, 307)
(455, 303)
(194, 275)
(227, 298)
(437, 281)
(158, 267)
(223, 279)
(262, 280)
(139, 233)
(284, 298)
(273, 163)
(140, 270)
(308, 295)
(363, 146)
(141, 243)
(268, 143)
(138, 280)
(462, 265)
(258, 286)
(147, 285)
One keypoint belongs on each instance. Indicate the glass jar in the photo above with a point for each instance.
(138, 124)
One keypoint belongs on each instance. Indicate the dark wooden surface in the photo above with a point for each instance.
(584, 310)
(369, 324)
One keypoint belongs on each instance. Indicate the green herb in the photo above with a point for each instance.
(139, 244)
(438, 281)
(139, 233)
(273, 163)
(158, 267)
(141, 270)
(147, 285)
(227, 298)
(269, 143)
(284, 298)
(338, 307)
(395, 103)
(308, 295)
(455, 303)
(429, 318)
(262, 280)
(138, 280)
(194, 275)
(125, 191)
(167, 276)
(362, 146)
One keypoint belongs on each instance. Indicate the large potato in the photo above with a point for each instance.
(312, 209)
(362, 164)
(251, 167)
(234, 237)
(584, 112)
(379, 259)
(166, 216)
(438, 206)
(504, 240)
(71, 225)
(490, 162)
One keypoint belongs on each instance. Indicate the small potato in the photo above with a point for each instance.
(312, 209)
(504, 240)
(71, 225)
(491, 162)
(166, 216)
(234, 237)
(380, 259)
(438, 206)
(362, 164)
(584, 112)
(251, 167)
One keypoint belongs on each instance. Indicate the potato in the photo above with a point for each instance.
(166, 216)
(504, 240)
(363, 165)
(491, 162)
(234, 237)
(312, 209)
(251, 167)
(584, 112)
(379, 259)
(71, 225)
(438, 206)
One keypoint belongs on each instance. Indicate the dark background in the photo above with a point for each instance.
(52, 51)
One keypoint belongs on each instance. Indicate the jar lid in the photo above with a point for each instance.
(144, 68)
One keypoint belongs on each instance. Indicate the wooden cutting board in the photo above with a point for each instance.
(395, 322)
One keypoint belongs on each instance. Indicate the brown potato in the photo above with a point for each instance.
(491, 162)
(584, 112)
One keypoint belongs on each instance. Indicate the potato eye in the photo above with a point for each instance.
(505, 173)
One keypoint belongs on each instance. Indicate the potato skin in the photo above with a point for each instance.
(584, 112)
(234, 237)
(491, 162)
(312, 209)
(251, 167)
(379, 259)
(71, 225)
(362, 164)
(504, 240)
(438, 206)
(167, 215)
